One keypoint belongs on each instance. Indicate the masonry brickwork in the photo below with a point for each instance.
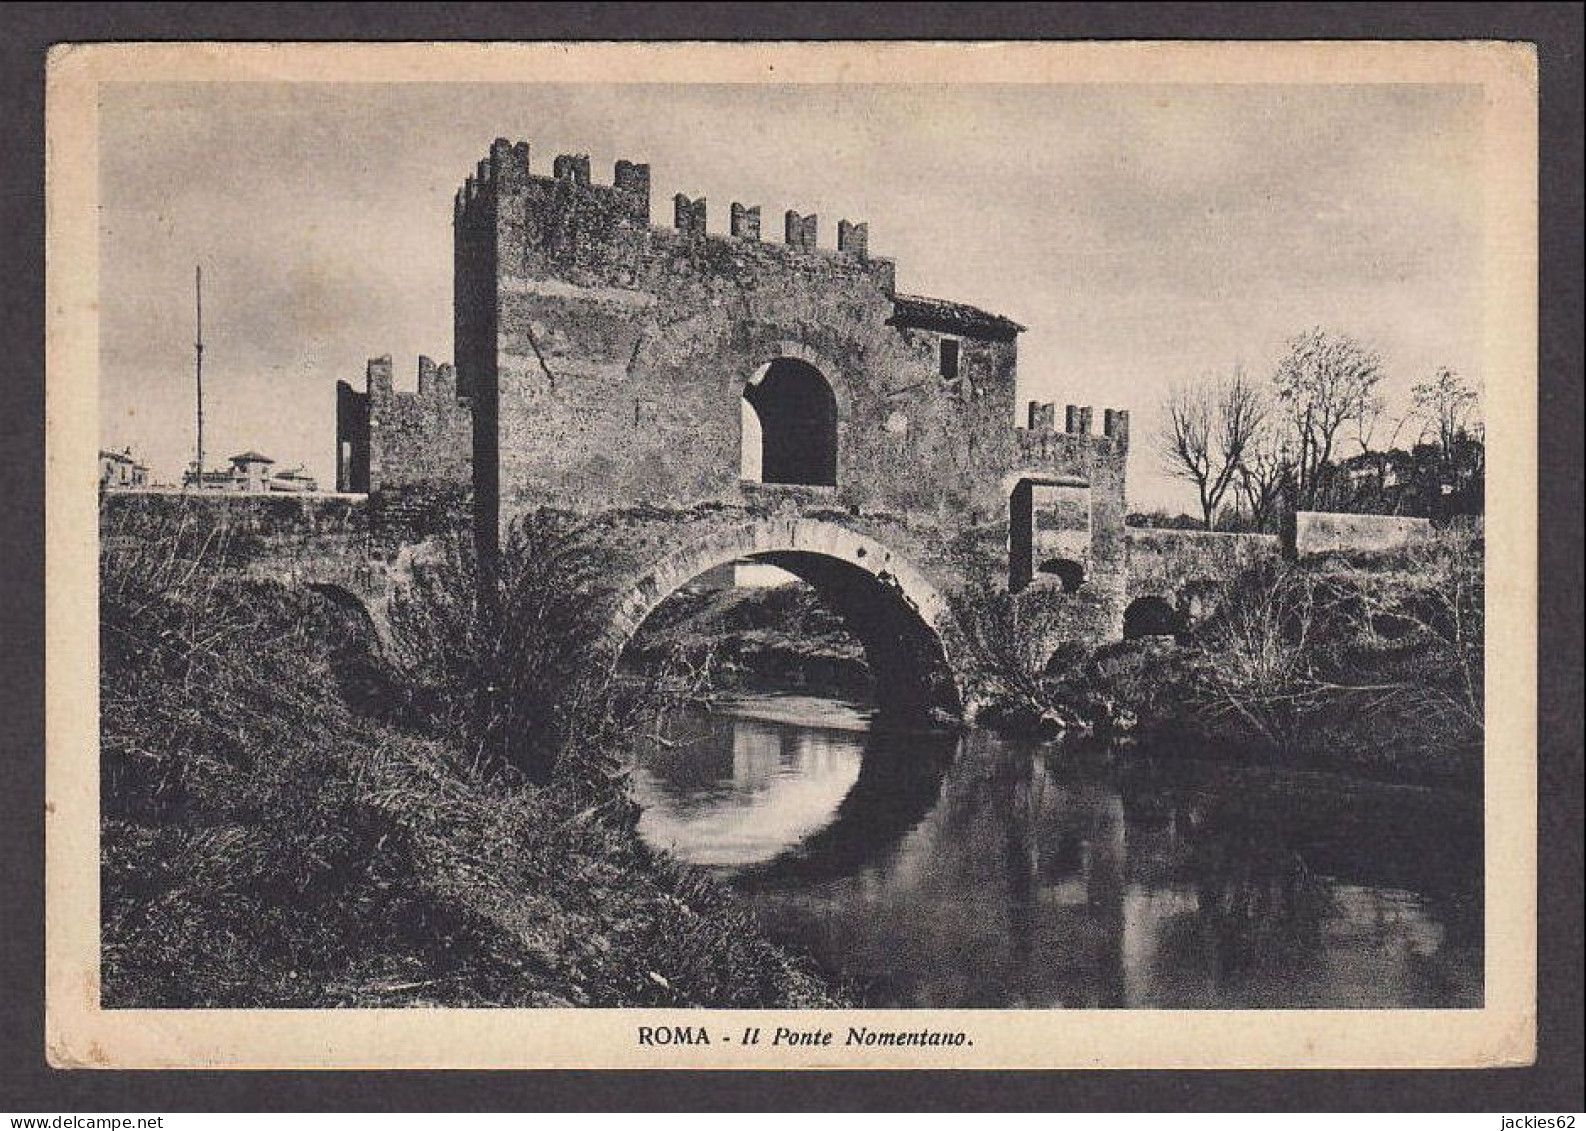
(387, 439)
(607, 359)
(705, 385)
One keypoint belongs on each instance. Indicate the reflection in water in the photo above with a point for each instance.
(738, 791)
(942, 871)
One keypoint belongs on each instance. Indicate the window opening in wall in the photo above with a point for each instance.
(789, 417)
(949, 359)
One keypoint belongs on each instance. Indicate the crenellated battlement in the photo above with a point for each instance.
(436, 382)
(689, 215)
(745, 221)
(386, 438)
(507, 170)
(1077, 421)
(801, 231)
(1042, 443)
(573, 167)
(853, 238)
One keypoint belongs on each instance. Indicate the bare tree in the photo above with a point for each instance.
(1327, 387)
(1445, 406)
(1207, 428)
(1264, 473)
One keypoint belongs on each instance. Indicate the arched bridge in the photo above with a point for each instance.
(1177, 577)
(703, 396)
(891, 606)
(888, 579)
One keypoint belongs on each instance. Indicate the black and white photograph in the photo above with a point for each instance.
(935, 547)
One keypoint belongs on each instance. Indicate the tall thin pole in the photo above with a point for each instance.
(198, 347)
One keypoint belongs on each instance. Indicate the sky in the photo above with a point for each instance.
(1145, 234)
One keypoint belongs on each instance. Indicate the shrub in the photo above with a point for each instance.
(266, 845)
(1371, 663)
(513, 661)
(1258, 665)
(1375, 661)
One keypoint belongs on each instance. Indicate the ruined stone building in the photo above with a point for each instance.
(251, 472)
(385, 438)
(709, 398)
(603, 363)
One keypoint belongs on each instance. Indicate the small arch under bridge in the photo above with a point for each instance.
(896, 611)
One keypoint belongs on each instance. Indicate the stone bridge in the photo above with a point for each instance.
(1177, 576)
(702, 397)
(355, 549)
(892, 585)
(895, 610)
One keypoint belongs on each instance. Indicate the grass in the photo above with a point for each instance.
(290, 820)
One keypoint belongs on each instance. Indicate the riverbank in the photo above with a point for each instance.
(281, 828)
(1368, 665)
(774, 639)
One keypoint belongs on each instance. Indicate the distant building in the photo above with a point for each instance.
(119, 471)
(295, 480)
(213, 480)
(252, 471)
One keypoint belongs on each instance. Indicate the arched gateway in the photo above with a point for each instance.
(704, 396)
(897, 614)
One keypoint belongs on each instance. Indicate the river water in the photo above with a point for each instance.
(942, 871)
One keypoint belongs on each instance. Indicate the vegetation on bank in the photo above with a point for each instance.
(290, 820)
(1367, 665)
(778, 638)
(1370, 664)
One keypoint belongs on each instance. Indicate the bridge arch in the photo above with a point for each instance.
(1069, 573)
(343, 600)
(356, 613)
(899, 616)
(1151, 615)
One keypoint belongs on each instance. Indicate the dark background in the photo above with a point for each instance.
(27, 1084)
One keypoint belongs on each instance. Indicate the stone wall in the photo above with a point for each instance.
(1189, 568)
(1320, 532)
(262, 513)
(297, 539)
(387, 439)
(607, 359)
(357, 546)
